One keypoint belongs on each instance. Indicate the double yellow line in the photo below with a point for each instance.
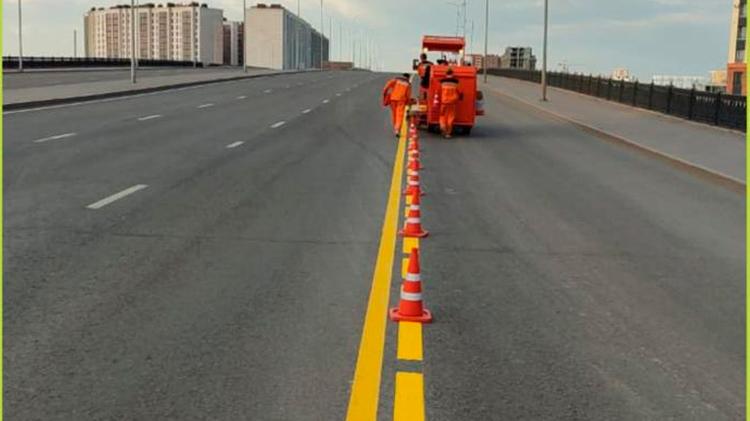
(365, 391)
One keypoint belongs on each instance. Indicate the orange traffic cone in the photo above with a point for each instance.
(414, 144)
(413, 225)
(412, 184)
(410, 307)
(414, 164)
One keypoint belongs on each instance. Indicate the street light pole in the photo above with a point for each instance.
(194, 37)
(244, 37)
(132, 41)
(20, 38)
(544, 51)
(486, 36)
(321, 34)
(75, 43)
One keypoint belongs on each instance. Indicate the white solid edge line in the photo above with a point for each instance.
(117, 196)
(149, 117)
(56, 137)
(234, 144)
(206, 105)
(306, 111)
(278, 124)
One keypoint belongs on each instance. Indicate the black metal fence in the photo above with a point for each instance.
(707, 107)
(53, 62)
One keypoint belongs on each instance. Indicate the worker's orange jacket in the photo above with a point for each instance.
(396, 90)
(449, 90)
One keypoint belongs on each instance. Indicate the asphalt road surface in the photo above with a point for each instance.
(208, 253)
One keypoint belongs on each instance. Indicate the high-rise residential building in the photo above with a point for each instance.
(518, 58)
(621, 73)
(234, 35)
(477, 60)
(181, 32)
(278, 39)
(736, 66)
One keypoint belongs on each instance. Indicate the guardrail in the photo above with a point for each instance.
(706, 107)
(10, 63)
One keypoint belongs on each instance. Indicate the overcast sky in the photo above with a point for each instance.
(686, 37)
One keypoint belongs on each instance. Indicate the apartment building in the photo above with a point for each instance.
(477, 60)
(518, 58)
(736, 66)
(278, 39)
(182, 32)
(233, 43)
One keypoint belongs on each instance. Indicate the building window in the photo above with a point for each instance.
(740, 58)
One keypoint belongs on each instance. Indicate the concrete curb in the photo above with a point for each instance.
(717, 177)
(117, 94)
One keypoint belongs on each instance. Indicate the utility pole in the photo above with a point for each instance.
(75, 43)
(20, 38)
(330, 37)
(194, 37)
(544, 51)
(321, 34)
(341, 42)
(486, 36)
(132, 41)
(244, 32)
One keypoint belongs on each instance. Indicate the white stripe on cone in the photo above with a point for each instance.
(411, 296)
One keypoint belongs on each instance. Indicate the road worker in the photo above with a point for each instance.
(397, 93)
(449, 97)
(424, 70)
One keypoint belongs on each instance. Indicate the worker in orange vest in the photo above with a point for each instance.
(397, 93)
(449, 97)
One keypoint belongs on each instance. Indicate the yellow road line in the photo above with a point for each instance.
(410, 243)
(409, 341)
(409, 400)
(365, 392)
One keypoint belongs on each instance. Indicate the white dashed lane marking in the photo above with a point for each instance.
(149, 117)
(56, 137)
(117, 196)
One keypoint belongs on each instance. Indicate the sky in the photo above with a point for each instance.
(679, 37)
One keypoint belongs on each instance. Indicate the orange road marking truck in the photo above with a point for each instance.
(470, 100)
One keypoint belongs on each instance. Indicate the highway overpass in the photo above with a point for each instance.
(209, 253)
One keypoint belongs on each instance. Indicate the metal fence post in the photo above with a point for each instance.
(580, 82)
(598, 86)
(622, 91)
(651, 96)
(691, 103)
(669, 99)
(635, 93)
(609, 88)
(717, 108)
